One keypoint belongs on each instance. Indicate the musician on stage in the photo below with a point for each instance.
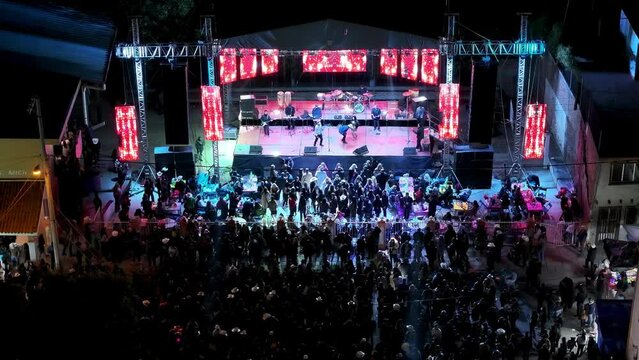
(318, 131)
(362, 90)
(343, 130)
(265, 119)
(420, 136)
(289, 111)
(420, 114)
(376, 115)
(316, 112)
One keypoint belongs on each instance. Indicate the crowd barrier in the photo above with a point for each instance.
(557, 233)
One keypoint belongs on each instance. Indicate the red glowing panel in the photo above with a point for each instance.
(449, 107)
(248, 63)
(334, 61)
(228, 66)
(535, 129)
(388, 62)
(126, 126)
(270, 61)
(409, 63)
(430, 66)
(212, 120)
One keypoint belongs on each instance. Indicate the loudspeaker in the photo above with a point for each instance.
(361, 150)
(230, 133)
(176, 105)
(310, 150)
(474, 167)
(410, 151)
(247, 102)
(482, 102)
(255, 150)
(178, 159)
(57, 150)
(337, 117)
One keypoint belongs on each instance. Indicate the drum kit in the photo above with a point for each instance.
(358, 103)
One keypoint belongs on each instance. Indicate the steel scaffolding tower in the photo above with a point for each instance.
(522, 48)
(211, 50)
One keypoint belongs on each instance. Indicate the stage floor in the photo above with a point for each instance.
(282, 142)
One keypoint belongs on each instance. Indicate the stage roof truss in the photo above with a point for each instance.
(496, 48)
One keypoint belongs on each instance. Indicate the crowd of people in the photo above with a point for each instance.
(224, 286)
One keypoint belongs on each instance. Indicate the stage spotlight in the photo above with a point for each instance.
(276, 153)
(37, 171)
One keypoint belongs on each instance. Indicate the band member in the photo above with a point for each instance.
(362, 90)
(420, 136)
(318, 131)
(420, 114)
(343, 130)
(265, 119)
(289, 111)
(316, 112)
(376, 115)
(353, 126)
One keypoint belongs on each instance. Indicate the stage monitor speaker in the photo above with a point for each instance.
(230, 133)
(482, 102)
(178, 159)
(310, 150)
(361, 150)
(337, 117)
(255, 150)
(176, 105)
(410, 151)
(474, 167)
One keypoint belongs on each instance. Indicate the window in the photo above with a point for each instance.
(631, 215)
(624, 173)
(608, 222)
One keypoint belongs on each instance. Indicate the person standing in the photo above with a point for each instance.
(265, 119)
(376, 115)
(420, 136)
(199, 148)
(318, 131)
(343, 130)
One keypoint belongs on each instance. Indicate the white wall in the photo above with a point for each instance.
(614, 193)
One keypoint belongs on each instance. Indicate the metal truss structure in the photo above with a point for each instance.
(210, 69)
(522, 48)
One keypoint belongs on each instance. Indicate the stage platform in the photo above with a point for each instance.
(387, 147)
(336, 111)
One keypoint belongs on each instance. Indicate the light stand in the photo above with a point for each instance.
(447, 168)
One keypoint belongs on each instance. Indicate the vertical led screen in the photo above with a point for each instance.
(449, 107)
(270, 61)
(127, 128)
(535, 129)
(409, 63)
(430, 66)
(388, 62)
(228, 66)
(248, 63)
(212, 120)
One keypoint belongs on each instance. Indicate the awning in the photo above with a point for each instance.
(20, 203)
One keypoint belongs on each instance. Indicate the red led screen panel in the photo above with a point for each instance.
(248, 63)
(270, 61)
(388, 62)
(212, 119)
(449, 107)
(535, 129)
(228, 66)
(126, 126)
(334, 61)
(430, 66)
(409, 63)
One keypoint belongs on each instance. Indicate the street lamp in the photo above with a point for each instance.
(37, 171)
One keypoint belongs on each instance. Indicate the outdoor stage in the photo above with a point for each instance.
(338, 110)
(387, 148)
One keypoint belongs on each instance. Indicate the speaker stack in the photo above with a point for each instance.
(248, 110)
(482, 102)
(178, 159)
(474, 166)
(176, 105)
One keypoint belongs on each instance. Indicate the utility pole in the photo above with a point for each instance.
(53, 226)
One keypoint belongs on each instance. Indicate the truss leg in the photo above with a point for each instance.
(521, 82)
